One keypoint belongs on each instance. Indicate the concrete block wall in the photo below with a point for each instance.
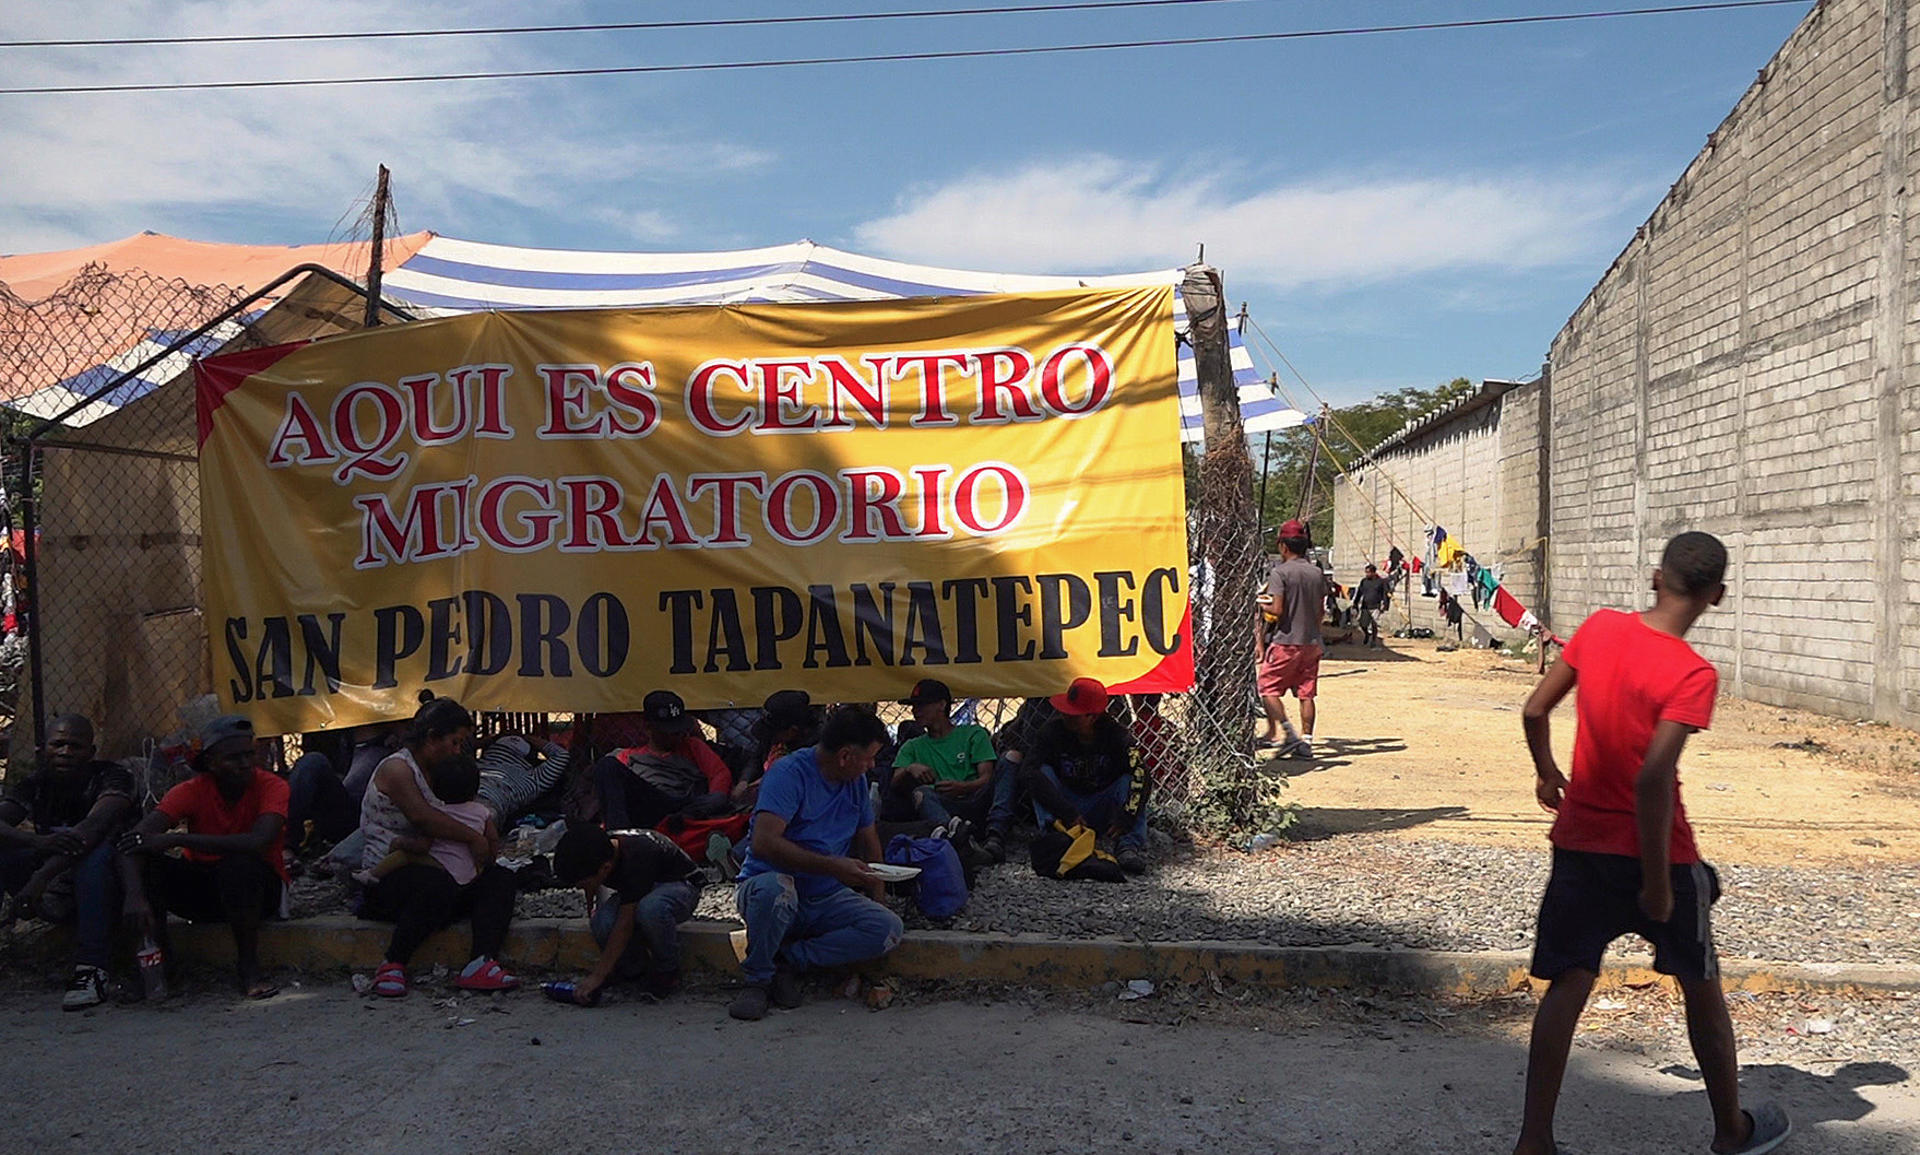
(1744, 369)
(1477, 475)
(1519, 542)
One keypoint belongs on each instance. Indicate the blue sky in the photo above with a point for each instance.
(1396, 210)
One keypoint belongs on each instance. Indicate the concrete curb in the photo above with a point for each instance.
(337, 942)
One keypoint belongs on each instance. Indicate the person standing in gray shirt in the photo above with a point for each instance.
(1290, 657)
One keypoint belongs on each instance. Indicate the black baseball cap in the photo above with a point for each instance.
(666, 712)
(784, 708)
(927, 690)
(225, 728)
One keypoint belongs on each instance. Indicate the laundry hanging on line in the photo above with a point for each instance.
(1512, 612)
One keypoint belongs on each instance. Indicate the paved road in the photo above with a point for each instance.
(321, 1070)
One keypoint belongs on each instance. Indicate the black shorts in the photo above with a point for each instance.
(1593, 899)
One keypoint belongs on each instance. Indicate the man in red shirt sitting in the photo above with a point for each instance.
(1624, 860)
(676, 772)
(230, 868)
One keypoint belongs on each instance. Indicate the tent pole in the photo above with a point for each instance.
(30, 527)
(380, 202)
(1266, 466)
(1306, 486)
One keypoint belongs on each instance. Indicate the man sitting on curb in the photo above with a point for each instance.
(63, 868)
(232, 870)
(797, 887)
(948, 769)
(1081, 773)
(655, 888)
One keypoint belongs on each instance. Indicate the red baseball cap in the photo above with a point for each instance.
(1294, 528)
(1085, 696)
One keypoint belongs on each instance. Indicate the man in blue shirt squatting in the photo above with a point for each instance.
(800, 893)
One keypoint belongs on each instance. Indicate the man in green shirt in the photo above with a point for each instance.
(948, 769)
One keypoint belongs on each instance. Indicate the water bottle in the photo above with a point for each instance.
(562, 990)
(153, 970)
(1261, 842)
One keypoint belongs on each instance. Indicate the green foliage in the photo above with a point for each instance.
(1252, 804)
(1281, 472)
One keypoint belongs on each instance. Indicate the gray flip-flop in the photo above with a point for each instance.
(1770, 1129)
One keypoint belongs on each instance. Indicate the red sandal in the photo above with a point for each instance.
(390, 980)
(489, 976)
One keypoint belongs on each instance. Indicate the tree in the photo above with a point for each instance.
(1281, 471)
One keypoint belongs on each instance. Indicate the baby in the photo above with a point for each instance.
(456, 786)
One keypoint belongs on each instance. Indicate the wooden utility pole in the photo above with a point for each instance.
(1212, 365)
(1227, 533)
(379, 248)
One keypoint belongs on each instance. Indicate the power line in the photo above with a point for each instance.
(633, 26)
(896, 57)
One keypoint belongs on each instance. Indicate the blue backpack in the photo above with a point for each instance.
(942, 885)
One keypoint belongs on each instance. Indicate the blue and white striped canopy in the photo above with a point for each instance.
(61, 397)
(453, 276)
(456, 276)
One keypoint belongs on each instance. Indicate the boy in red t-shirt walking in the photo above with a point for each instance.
(1624, 860)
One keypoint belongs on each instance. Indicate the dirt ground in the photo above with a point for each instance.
(320, 1069)
(1412, 739)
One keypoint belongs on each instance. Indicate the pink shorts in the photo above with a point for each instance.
(1295, 668)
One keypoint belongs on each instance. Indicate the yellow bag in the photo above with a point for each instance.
(1080, 847)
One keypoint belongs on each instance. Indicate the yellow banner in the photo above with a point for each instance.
(560, 511)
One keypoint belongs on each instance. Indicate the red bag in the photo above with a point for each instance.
(691, 834)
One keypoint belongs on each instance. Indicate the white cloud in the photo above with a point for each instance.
(93, 167)
(1098, 214)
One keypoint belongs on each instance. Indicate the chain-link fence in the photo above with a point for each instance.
(104, 565)
(103, 480)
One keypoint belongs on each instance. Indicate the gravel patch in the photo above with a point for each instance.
(1384, 891)
(1438, 895)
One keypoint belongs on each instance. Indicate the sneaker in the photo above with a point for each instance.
(86, 989)
(995, 844)
(750, 1005)
(1131, 860)
(786, 991)
(1298, 748)
(484, 974)
(958, 829)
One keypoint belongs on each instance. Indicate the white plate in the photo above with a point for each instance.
(892, 873)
